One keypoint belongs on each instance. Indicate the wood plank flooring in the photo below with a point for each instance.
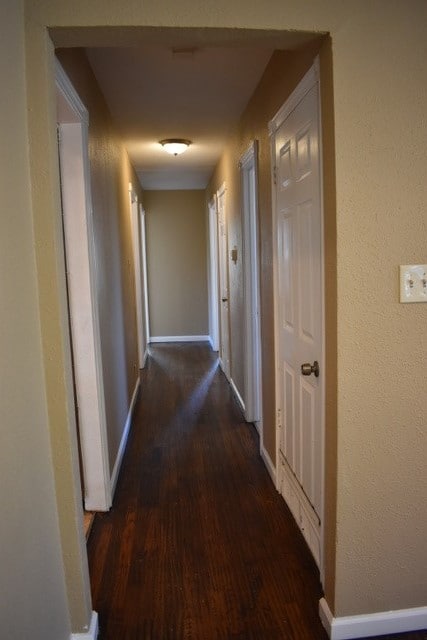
(198, 544)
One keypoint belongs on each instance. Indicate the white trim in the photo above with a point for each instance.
(251, 286)
(123, 441)
(268, 463)
(316, 67)
(223, 282)
(237, 394)
(143, 241)
(91, 633)
(277, 389)
(179, 339)
(134, 215)
(372, 624)
(308, 81)
(83, 295)
(71, 96)
(212, 228)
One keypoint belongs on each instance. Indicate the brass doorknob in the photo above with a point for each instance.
(307, 369)
(224, 299)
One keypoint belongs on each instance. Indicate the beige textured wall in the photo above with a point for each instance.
(177, 262)
(381, 153)
(110, 176)
(380, 97)
(32, 589)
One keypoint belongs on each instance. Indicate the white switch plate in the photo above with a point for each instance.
(413, 283)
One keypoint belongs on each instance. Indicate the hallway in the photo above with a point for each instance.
(198, 544)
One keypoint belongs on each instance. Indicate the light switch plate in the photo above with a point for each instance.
(413, 283)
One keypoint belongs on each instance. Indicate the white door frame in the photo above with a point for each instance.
(224, 286)
(253, 378)
(311, 77)
(143, 241)
(213, 274)
(136, 246)
(82, 287)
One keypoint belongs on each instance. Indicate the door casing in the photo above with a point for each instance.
(213, 274)
(138, 279)
(224, 289)
(143, 241)
(252, 353)
(82, 286)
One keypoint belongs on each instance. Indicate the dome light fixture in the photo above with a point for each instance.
(175, 146)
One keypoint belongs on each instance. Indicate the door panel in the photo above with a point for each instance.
(299, 292)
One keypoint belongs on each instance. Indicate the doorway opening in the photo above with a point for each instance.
(228, 329)
(72, 118)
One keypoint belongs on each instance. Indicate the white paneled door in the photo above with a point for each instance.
(299, 296)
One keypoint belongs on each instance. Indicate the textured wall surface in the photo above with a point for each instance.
(33, 600)
(177, 262)
(379, 86)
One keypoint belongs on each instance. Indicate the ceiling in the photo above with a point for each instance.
(191, 84)
(156, 92)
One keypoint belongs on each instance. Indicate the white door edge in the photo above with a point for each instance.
(253, 377)
(224, 342)
(143, 240)
(213, 274)
(136, 246)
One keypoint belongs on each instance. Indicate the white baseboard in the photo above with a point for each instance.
(237, 394)
(179, 339)
(372, 624)
(91, 633)
(268, 463)
(123, 441)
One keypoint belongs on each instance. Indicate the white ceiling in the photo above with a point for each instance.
(156, 92)
(191, 83)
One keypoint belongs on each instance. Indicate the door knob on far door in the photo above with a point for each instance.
(224, 299)
(307, 369)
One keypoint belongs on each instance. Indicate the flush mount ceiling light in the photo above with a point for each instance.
(175, 146)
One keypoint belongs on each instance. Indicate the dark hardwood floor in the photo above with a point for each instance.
(198, 544)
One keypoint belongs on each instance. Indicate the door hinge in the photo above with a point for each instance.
(279, 418)
(275, 174)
